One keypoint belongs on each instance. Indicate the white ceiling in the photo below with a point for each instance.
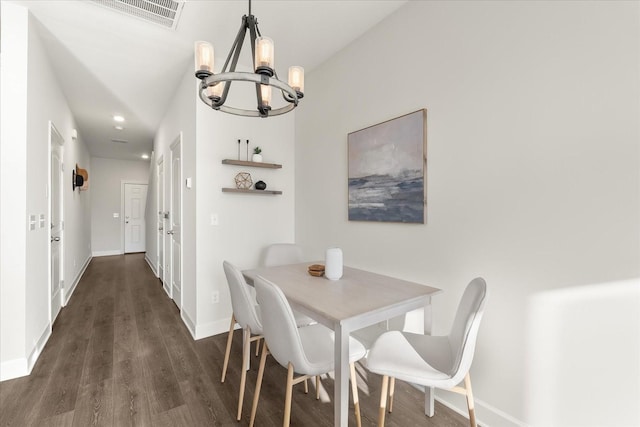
(109, 63)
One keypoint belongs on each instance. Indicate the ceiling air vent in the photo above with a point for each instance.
(120, 141)
(161, 12)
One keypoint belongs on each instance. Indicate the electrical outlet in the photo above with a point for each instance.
(215, 297)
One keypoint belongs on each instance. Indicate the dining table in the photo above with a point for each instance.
(360, 298)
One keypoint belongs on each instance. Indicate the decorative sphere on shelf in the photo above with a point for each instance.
(243, 181)
(261, 185)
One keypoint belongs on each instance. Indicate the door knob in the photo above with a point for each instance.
(170, 232)
(160, 229)
(55, 239)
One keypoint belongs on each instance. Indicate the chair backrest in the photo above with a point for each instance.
(464, 331)
(282, 253)
(279, 326)
(244, 308)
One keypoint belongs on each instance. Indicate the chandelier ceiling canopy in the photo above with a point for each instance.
(214, 88)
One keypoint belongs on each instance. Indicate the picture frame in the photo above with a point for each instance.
(388, 170)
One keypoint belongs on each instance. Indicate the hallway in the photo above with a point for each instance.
(119, 355)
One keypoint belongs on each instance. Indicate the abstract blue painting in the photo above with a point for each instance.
(387, 170)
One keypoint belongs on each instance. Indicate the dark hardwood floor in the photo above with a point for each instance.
(120, 355)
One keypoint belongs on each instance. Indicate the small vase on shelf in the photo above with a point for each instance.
(257, 157)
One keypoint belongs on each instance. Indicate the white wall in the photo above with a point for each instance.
(533, 178)
(77, 209)
(105, 184)
(180, 118)
(247, 222)
(581, 340)
(32, 100)
(13, 192)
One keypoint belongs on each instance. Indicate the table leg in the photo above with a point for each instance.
(428, 391)
(341, 390)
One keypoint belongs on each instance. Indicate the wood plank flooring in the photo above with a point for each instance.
(120, 355)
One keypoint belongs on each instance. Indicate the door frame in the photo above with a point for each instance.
(122, 183)
(52, 129)
(176, 142)
(160, 214)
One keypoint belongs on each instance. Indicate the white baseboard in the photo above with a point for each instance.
(76, 280)
(212, 328)
(107, 253)
(15, 368)
(191, 326)
(486, 415)
(37, 350)
(151, 265)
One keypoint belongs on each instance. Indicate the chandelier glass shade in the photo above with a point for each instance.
(214, 88)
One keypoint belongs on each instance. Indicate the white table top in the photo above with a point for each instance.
(358, 292)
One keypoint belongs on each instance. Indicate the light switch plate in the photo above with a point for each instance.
(188, 182)
(32, 222)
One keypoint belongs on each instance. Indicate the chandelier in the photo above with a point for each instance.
(215, 87)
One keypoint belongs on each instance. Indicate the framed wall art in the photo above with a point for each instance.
(388, 170)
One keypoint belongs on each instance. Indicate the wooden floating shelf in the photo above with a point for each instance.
(241, 190)
(251, 164)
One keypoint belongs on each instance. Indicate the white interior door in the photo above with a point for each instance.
(167, 241)
(135, 199)
(175, 221)
(160, 220)
(56, 216)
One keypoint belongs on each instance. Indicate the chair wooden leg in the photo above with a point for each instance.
(392, 389)
(317, 387)
(383, 400)
(354, 391)
(228, 350)
(287, 400)
(243, 377)
(256, 395)
(306, 387)
(470, 405)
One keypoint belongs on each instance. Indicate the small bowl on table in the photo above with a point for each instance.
(316, 270)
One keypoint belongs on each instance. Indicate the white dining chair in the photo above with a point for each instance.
(282, 254)
(308, 350)
(246, 314)
(432, 361)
